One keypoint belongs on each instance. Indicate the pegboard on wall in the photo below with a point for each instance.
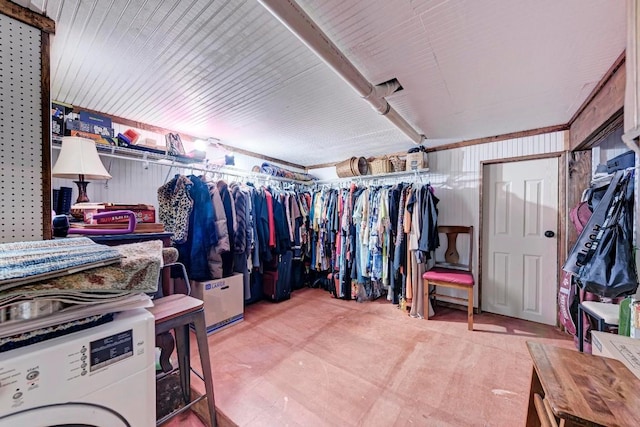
(21, 204)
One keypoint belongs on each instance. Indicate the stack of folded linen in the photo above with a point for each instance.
(49, 286)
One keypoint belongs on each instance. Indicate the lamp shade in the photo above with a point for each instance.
(79, 156)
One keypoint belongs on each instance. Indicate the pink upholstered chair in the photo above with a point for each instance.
(451, 273)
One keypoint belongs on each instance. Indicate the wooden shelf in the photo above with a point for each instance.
(136, 154)
(182, 162)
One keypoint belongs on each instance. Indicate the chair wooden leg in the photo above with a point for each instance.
(426, 300)
(203, 349)
(470, 308)
(184, 361)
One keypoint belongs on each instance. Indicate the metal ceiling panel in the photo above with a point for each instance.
(228, 69)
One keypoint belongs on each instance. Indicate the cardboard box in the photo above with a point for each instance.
(99, 139)
(417, 161)
(95, 119)
(89, 128)
(223, 301)
(613, 346)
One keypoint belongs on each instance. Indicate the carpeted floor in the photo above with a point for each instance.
(319, 361)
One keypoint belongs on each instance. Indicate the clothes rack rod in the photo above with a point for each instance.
(224, 170)
(363, 178)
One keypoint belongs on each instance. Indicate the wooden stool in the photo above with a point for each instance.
(178, 312)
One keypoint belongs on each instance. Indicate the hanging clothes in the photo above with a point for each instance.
(375, 239)
(220, 218)
(242, 242)
(186, 201)
(229, 209)
(174, 207)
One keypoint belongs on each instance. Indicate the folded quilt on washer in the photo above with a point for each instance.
(32, 337)
(137, 271)
(24, 262)
(34, 325)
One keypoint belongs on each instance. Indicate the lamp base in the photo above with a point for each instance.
(78, 214)
(82, 191)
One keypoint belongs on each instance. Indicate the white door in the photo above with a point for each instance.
(519, 267)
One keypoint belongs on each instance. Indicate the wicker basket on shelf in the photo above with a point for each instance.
(398, 164)
(381, 165)
(355, 166)
(343, 169)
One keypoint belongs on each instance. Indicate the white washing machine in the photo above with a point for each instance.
(103, 377)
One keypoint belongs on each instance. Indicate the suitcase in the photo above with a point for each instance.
(277, 284)
(269, 283)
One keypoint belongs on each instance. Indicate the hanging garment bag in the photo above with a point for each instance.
(611, 269)
(581, 252)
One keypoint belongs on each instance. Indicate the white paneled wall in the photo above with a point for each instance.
(456, 175)
(132, 182)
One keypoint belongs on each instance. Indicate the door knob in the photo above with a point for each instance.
(549, 233)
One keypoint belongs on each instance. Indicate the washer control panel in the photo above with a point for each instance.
(66, 368)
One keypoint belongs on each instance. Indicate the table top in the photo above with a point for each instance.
(582, 387)
(101, 238)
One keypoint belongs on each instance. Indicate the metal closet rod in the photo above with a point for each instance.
(415, 173)
(241, 173)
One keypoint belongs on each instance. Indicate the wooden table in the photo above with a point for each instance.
(583, 389)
